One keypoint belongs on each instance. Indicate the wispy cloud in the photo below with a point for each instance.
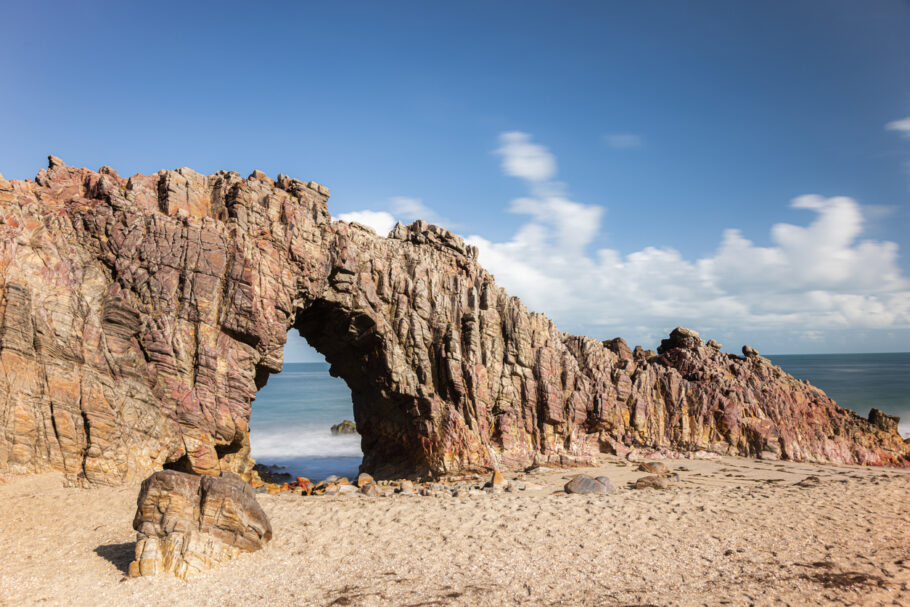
(521, 158)
(815, 277)
(411, 209)
(401, 208)
(381, 221)
(624, 140)
(901, 126)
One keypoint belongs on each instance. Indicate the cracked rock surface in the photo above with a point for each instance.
(140, 315)
(187, 523)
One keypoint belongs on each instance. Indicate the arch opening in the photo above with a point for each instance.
(292, 416)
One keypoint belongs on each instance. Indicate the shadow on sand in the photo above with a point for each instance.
(120, 555)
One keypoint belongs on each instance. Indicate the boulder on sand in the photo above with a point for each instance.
(584, 484)
(188, 523)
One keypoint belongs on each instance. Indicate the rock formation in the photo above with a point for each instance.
(139, 316)
(187, 523)
(345, 427)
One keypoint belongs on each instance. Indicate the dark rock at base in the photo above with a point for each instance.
(652, 482)
(345, 427)
(188, 523)
(584, 484)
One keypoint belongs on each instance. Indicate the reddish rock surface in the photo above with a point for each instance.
(139, 316)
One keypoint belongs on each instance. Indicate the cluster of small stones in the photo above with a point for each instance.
(139, 316)
(659, 476)
(366, 485)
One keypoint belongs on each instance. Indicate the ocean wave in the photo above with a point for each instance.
(307, 441)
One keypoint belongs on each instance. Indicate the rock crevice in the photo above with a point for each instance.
(139, 316)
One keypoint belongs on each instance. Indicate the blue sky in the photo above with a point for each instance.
(651, 129)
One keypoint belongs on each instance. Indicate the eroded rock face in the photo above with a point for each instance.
(139, 316)
(187, 523)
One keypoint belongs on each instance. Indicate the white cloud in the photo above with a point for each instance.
(624, 140)
(815, 286)
(402, 208)
(901, 126)
(811, 279)
(521, 158)
(411, 209)
(381, 221)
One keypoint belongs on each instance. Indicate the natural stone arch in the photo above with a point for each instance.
(138, 318)
(355, 352)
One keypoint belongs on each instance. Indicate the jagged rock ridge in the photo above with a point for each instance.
(139, 316)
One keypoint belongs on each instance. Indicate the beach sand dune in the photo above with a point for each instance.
(731, 532)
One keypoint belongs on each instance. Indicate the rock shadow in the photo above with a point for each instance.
(120, 555)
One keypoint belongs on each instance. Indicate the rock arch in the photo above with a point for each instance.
(139, 316)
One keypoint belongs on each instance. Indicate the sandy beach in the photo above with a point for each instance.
(731, 532)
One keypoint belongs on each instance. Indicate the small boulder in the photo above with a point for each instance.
(370, 489)
(654, 468)
(586, 485)
(680, 337)
(345, 427)
(750, 352)
(364, 479)
(188, 523)
(407, 488)
(714, 345)
(341, 490)
(652, 482)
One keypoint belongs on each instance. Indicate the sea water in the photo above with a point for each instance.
(294, 412)
(292, 419)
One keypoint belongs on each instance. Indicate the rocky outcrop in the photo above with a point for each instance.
(345, 427)
(188, 523)
(140, 315)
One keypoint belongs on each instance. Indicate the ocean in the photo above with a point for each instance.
(293, 413)
(292, 419)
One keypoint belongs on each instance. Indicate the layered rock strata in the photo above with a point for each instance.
(188, 523)
(140, 315)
